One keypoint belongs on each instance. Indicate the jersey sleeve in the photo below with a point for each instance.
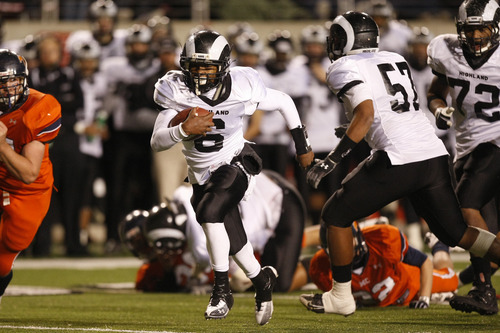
(347, 83)
(248, 86)
(436, 53)
(387, 242)
(170, 92)
(44, 119)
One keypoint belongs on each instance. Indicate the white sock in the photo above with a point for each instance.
(245, 258)
(217, 245)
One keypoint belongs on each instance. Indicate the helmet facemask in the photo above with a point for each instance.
(203, 81)
(11, 91)
(478, 46)
(360, 248)
(13, 81)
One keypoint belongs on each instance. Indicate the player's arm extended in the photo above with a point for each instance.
(419, 259)
(24, 166)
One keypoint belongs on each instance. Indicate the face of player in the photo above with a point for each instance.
(10, 91)
(168, 258)
(203, 73)
(478, 37)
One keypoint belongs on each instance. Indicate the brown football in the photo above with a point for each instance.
(181, 116)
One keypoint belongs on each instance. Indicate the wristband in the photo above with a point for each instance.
(181, 130)
(299, 135)
(345, 146)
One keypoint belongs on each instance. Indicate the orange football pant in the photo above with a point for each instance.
(22, 215)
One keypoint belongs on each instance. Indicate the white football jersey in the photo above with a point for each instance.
(260, 214)
(225, 140)
(474, 93)
(399, 126)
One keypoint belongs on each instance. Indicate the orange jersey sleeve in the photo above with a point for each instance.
(38, 119)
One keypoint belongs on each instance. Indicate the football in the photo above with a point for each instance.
(181, 116)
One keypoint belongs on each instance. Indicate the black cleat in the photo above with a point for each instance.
(221, 301)
(263, 297)
(482, 300)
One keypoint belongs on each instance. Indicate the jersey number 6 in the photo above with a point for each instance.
(211, 142)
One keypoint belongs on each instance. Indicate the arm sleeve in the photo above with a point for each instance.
(414, 257)
(164, 137)
(277, 100)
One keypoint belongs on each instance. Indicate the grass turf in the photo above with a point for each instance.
(128, 311)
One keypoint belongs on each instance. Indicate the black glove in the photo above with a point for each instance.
(421, 303)
(320, 169)
(340, 130)
(443, 117)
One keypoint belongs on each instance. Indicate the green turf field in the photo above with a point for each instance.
(104, 310)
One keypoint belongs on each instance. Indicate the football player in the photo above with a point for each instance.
(408, 158)
(29, 121)
(466, 68)
(388, 271)
(273, 217)
(103, 16)
(221, 165)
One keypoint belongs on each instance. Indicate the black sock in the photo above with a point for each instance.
(481, 265)
(4, 282)
(259, 281)
(342, 273)
(467, 275)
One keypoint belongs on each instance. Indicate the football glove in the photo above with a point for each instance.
(421, 303)
(340, 130)
(443, 117)
(320, 169)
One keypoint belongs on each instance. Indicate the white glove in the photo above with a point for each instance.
(422, 303)
(443, 117)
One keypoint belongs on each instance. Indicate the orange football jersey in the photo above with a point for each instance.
(39, 118)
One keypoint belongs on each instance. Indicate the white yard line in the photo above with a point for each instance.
(78, 263)
(94, 329)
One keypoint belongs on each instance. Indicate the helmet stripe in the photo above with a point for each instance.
(341, 20)
(216, 51)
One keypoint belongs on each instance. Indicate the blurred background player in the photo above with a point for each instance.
(320, 110)
(394, 34)
(268, 129)
(92, 127)
(102, 16)
(51, 77)
(127, 156)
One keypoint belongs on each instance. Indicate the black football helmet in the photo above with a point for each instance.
(165, 228)
(206, 48)
(352, 33)
(131, 234)
(478, 14)
(12, 65)
(360, 248)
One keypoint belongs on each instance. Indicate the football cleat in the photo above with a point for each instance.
(263, 297)
(482, 300)
(339, 300)
(221, 301)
